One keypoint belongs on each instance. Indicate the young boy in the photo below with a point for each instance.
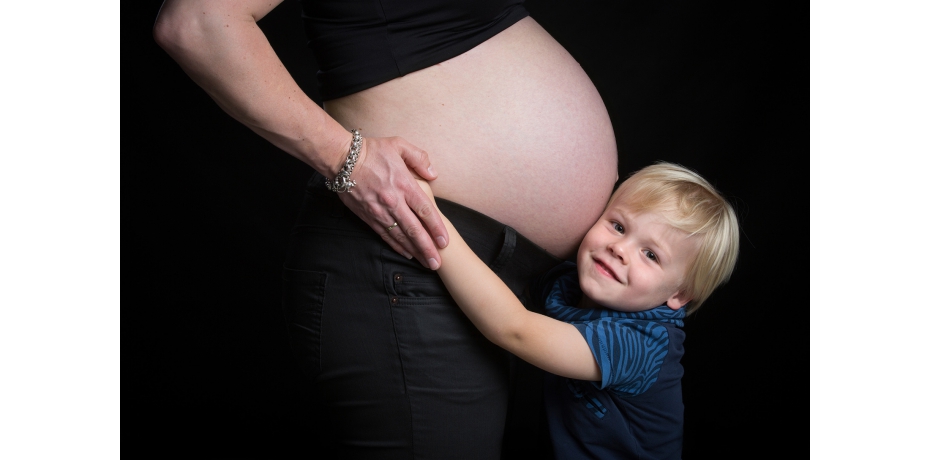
(612, 340)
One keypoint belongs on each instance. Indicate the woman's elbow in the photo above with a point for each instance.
(177, 28)
(162, 35)
(168, 33)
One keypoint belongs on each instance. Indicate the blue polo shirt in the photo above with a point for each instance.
(636, 410)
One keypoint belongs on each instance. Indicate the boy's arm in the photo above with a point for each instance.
(544, 342)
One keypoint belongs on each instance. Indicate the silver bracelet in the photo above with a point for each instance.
(341, 183)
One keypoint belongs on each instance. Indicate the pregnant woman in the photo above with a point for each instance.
(472, 95)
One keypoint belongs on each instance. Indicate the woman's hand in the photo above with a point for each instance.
(222, 48)
(424, 185)
(386, 192)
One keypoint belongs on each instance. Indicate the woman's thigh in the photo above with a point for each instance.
(401, 371)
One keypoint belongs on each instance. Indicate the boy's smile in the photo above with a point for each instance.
(605, 269)
(634, 262)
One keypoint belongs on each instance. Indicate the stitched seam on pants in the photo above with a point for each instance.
(403, 377)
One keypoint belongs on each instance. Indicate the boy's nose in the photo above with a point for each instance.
(617, 250)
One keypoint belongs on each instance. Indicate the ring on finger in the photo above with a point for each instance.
(391, 227)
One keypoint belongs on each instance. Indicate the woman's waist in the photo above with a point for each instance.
(513, 256)
(514, 128)
(554, 214)
(547, 175)
(549, 180)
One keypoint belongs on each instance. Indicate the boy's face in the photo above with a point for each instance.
(634, 262)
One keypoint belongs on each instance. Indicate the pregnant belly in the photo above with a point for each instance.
(514, 128)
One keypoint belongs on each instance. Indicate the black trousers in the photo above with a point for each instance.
(401, 372)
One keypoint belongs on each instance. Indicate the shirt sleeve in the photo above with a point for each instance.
(630, 353)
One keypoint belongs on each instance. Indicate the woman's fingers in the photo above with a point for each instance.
(387, 193)
(425, 210)
(413, 237)
(417, 159)
(389, 239)
(422, 204)
(405, 234)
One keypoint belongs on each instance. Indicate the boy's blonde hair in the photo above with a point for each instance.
(692, 205)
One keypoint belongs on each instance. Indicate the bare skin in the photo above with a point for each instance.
(220, 46)
(627, 262)
(512, 128)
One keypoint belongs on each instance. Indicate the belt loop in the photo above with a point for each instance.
(503, 257)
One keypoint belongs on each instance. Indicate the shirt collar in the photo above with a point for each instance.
(566, 293)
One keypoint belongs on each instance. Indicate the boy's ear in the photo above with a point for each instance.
(678, 300)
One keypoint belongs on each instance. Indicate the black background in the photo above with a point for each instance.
(720, 87)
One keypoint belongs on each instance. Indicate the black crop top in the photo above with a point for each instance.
(363, 43)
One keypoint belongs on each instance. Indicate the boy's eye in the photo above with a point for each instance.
(618, 227)
(651, 255)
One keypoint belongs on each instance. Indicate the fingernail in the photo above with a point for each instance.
(433, 264)
(430, 169)
(442, 241)
(408, 255)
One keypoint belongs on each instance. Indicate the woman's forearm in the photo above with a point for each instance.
(220, 46)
